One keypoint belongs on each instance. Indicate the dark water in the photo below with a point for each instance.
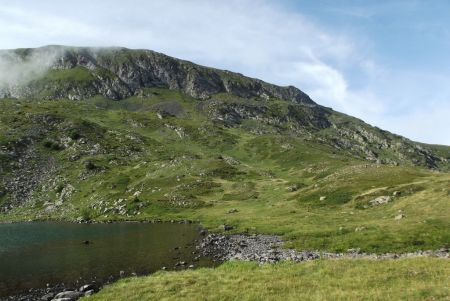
(33, 255)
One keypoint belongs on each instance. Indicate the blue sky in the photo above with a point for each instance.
(386, 62)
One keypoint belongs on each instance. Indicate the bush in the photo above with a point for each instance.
(86, 214)
(89, 165)
(53, 145)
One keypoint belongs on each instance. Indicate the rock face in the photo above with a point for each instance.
(118, 73)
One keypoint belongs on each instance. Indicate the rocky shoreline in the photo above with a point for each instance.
(260, 248)
(269, 249)
(55, 293)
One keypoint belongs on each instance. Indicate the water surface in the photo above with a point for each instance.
(33, 255)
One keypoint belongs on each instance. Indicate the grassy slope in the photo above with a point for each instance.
(182, 169)
(408, 279)
(185, 177)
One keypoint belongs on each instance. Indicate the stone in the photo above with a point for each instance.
(69, 295)
(380, 200)
(48, 297)
(230, 160)
(323, 198)
(226, 227)
(89, 293)
(292, 188)
(87, 287)
(233, 210)
(399, 217)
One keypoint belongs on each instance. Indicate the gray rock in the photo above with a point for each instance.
(69, 295)
(89, 293)
(226, 227)
(292, 188)
(267, 248)
(87, 287)
(380, 200)
(48, 297)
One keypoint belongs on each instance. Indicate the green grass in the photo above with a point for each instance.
(77, 74)
(178, 167)
(406, 279)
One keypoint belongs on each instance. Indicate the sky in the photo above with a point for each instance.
(385, 62)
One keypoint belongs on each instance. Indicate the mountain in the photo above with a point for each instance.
(114, 133)
(118, 73)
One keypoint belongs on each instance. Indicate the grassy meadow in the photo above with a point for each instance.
(406, 279)
(121, 161)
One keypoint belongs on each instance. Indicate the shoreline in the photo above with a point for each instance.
(109, 221)
(221, 248)
(269, 249)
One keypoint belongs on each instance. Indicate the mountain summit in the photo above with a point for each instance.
(118, 73)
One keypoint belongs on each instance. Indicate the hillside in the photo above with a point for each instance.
(115, 134)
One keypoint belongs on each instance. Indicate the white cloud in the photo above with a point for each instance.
(16, 70)
(258, 38)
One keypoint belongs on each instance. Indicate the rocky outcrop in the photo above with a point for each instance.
(118, 73)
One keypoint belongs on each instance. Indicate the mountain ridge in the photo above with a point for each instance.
(120, 72)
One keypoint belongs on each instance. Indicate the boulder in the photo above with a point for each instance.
(292, 188)
(48, 297)
(87, 287)
(68, 296)
(89, 293)
(380, 200)
(226, 227)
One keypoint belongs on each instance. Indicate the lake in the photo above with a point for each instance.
(37, 254)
